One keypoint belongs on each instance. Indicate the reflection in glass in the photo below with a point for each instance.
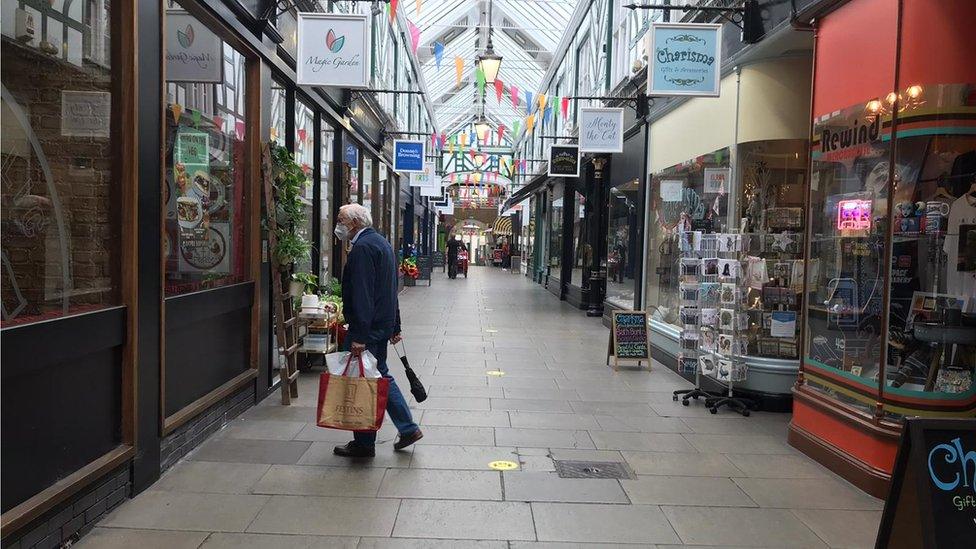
(60, 195)
(206, 173)
(305, 157)
(622, 244)
(325, 221)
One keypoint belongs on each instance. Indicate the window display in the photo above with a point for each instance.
(556, 231)
(61, 190)
(622, 244)
(325, 209)
(582, 251)
(927, 349)
(206, 163)
(304, 156)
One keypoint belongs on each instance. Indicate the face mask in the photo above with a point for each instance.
(341, 231)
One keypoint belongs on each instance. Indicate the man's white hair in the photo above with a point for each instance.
(358, 214)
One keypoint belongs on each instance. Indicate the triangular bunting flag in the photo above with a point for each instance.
(565, 107)
(546, 114)
(513, 92)
(196, 117)
(479, 76)
(501, 132)
(414, 36)
(302, 134)
(464, 139)
(530, 123)
(459, 69)
(438, 54)
(393, 8)
(177, 111)
(542, 101)
(218, 122)
(515, 128)
(528, 102)
(239, 129)
(499, 89)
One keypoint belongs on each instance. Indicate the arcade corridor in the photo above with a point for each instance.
(269, 479)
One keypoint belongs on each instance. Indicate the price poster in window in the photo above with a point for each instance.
(203, 246)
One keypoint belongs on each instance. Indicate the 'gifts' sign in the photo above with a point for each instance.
(685, 59)
(333, 50)
(601, 130)
(193, 52)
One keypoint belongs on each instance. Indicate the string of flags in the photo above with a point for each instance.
(196, 118)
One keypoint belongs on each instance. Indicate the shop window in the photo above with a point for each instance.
(582, 250)
(278, 113)
(206, 173)
(622, 244)
(304, 156)
(679, 203)
(367, 184)
(325, 219)
(556, 232)
(60, 186)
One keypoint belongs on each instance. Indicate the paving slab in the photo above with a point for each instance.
(542, 486)
(441, 484)
(674, 490)
(821, 493)
(479, 520)
(125, 538)
(648, 442)
(320, 453)
(211, 477)
(250, 451)
(158, 510)
(278, 541)
(602, 523)
(548, 438)
(849, 529)
(334, 516)
(680, 464)
(727, 526)
(481, 418)
(475, 458)
(313, 480)
(778, 466)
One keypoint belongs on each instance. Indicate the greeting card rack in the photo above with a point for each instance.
(690, 317)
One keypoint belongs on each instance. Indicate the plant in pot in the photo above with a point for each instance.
(304, 283)
(289, 183)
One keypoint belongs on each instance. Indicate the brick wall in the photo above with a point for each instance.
(191, 434)
(70, 520)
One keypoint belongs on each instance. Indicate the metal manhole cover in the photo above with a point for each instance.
(592, 469)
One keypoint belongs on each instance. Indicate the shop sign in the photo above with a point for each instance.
(672, 190)
(85, 113)
(351, 156)
(333, 50)
(685, 59)
(432, 187)
(564, 161)
(409, 155)
(601, 130)
(629, 336)
(932, 499)
(422, 178)
(194, 53)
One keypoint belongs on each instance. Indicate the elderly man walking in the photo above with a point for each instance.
(369, 303)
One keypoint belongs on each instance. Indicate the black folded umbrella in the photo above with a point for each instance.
(416, 387)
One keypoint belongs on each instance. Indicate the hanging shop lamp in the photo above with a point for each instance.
(489, 61)
(482, 126)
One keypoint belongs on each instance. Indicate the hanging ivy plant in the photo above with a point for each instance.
(289, 183)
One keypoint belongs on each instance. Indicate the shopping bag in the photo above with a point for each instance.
(351, 401)
(338, 363)
(416, 387)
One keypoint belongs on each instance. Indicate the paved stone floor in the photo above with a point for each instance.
(270, 479)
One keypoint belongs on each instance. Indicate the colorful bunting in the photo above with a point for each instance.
(513, 92)
(419, 3)
(528, 102)
(438, 54)
(464, 139)
(393, 8)
(239, 129)
(177, 111)
(414, 36)
(515, 128)
(459, 68)
(302, 134)
(218, 122)
(501, 132)
(546, 114)
(479, 76)
(196, 117)
(530, 123)
(565, 107)
(542, 101)
(499, 88)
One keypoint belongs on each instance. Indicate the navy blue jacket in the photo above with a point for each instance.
(369, 289)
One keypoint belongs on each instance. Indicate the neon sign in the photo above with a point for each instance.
(854, 215)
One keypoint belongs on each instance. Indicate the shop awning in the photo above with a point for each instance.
(527, 190)
(502, 226)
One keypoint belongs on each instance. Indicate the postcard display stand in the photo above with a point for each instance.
(713, 321)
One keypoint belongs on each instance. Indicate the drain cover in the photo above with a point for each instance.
(592, 469)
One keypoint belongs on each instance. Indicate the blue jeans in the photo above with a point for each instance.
(396, 405)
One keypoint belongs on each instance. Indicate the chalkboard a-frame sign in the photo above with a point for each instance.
(932, 499)
(629, 338)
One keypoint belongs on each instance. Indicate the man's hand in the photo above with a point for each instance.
(357, 348)
(396, 339)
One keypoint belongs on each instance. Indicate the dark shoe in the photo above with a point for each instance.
(405, 441)
(353, 450)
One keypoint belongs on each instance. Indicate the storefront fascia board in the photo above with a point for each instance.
(322, 99)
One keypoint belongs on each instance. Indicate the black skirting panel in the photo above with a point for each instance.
(575, 296)
(208, 337)
(555, 287)
(61, 399)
